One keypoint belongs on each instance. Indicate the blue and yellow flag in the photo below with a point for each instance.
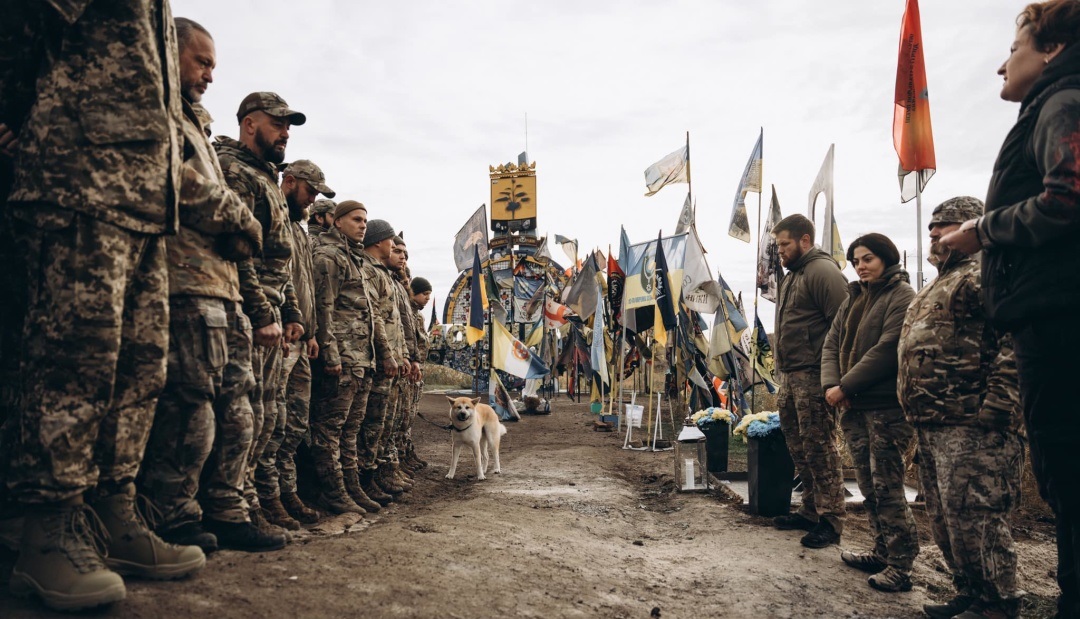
(474, 331)
(664, 319)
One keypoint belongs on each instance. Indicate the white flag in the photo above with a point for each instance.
(675, 168)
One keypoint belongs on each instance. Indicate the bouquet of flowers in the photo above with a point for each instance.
(712, 415)
(758, 425)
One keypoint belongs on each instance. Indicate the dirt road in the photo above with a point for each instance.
(574, 527)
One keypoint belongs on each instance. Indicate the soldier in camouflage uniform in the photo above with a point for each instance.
(407, 381)
(302, 182)
(250, 166)
(808, 298)
(97, 175)
(349, 333)
(205, 407)
(376, 472)
(320, 221)
(421, 295)
(958, 386)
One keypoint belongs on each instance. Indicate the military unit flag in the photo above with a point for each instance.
(769, 268)
(913, 136)
(739, 227)
(511, 356)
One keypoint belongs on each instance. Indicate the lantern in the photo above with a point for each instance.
(691, 459)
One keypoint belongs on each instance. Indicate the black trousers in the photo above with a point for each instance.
(1048, 360)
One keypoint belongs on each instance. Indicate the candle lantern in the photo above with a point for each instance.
(691, 459)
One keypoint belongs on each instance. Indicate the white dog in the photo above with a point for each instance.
(477, 426)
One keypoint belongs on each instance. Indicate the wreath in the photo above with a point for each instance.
(455, 338)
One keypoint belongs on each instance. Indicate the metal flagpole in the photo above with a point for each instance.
(918, 232)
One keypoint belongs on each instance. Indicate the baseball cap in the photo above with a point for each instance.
(272, 104)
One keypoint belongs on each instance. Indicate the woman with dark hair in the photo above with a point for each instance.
(1031, 265)
(858, 373)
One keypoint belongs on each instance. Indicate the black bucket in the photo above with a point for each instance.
(770, 471)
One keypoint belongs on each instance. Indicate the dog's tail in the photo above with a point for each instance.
(502, 429)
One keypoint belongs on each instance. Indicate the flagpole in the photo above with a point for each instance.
(918, 231)
(689, 185)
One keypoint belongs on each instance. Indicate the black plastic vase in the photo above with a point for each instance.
(717, 435)
(769, 471)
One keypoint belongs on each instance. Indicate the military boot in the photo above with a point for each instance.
(1003, 609)
(244, 536)
(949, 609)
(336, 500)
(134, 550)
(407, 467)
(415, 460)
(60, 558)
(384, 478)
(402, 478)
(275, 512)
(259, 521)
(352, 486)
(190, 534)
(297, 509)
(372, 489)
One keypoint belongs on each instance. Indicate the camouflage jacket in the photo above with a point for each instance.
(208, 208)
(408, 326)
(314, 232)
(423, 339)
(955, 368)
(302, 279)
(265, 280)
(102, 136)
(346, 323)
(389, 339)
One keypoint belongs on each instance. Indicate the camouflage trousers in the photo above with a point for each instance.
(395, 412)
(266, 364)
(373, 428)
(94, 345)
(809, 426)
(294, 403)
(403, 428)
(198, 402)
(971, 480)
(877, 441)
(342, 407)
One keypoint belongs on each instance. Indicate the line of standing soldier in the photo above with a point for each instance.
(169, 316)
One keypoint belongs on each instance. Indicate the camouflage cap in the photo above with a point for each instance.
(272, 104)
(306, 170)
(957, 210)
(323, 206)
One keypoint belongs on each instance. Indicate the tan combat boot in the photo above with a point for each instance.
(402, 478)
(275, 512)
(352, 486)
(374, 492)
(336, 500)
(135, 550)
(297, 509)
(384, 478)
(60, 558)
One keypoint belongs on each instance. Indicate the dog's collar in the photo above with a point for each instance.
(457, 429)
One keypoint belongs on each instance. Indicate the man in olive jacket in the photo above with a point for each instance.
(808, 298)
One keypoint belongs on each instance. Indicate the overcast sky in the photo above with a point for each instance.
(408, 104)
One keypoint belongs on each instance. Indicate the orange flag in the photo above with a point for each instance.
(912, 134)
